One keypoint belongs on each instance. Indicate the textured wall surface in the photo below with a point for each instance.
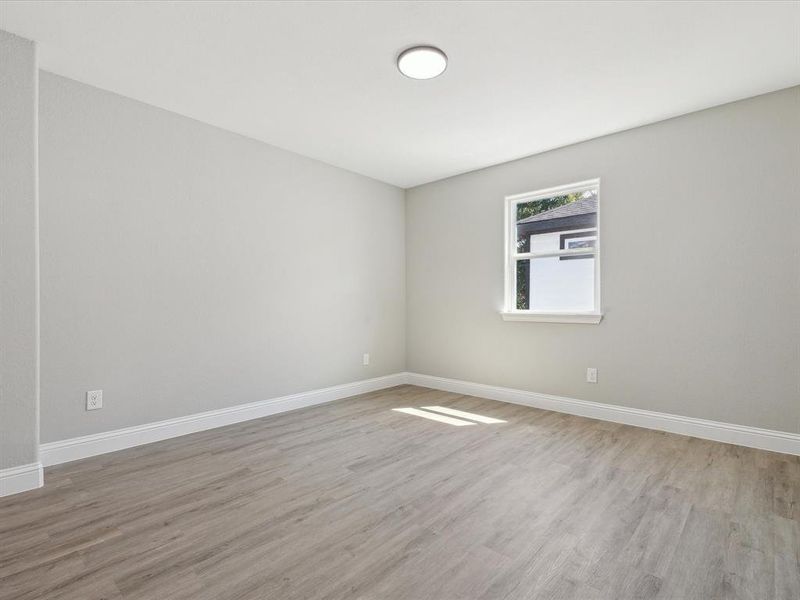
(19, 307)
(700, 270)
(185, 268)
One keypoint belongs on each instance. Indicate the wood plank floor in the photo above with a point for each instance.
(355, 500)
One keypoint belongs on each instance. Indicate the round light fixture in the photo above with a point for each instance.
(422, 62)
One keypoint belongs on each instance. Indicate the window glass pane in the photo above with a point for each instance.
(554, 284)
(523, 284)
(541, 223)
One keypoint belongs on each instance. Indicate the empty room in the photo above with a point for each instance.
(384, 300)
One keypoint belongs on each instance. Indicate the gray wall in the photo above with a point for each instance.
(19, 352)
(185, 268)
(700, 270)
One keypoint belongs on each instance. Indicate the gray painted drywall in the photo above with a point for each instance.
(185, 268)
(19, 345)
(700, 270)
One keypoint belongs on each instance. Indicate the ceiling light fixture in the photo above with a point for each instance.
(422, 62)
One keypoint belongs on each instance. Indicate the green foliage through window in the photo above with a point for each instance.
(528, 209)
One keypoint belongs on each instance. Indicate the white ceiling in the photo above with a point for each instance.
(319, 78)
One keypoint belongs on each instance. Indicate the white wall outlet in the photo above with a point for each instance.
(366, 359)
(94, 400)
(591, 375)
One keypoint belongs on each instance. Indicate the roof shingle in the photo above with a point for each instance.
(583, 206)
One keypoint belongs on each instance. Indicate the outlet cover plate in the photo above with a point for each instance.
(94, 400)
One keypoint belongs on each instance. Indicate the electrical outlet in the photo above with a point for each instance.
(366, 359)
(94, 400)
(591, 375)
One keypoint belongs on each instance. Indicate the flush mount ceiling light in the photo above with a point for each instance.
(422, 62)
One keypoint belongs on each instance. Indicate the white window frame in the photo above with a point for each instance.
(510, 311)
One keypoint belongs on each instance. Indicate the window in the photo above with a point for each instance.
(553, 255)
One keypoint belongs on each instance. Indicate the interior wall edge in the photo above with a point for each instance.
(22, 478)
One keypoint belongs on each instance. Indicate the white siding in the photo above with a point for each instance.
(560, 285)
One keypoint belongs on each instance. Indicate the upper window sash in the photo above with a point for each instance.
(561, 190)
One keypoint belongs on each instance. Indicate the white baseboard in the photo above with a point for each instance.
(54, 453)
(20, 479)
(753, 437)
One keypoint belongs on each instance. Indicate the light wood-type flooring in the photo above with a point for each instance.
(355, 500)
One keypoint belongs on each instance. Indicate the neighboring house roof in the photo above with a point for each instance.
(579, 207)
(580, 214)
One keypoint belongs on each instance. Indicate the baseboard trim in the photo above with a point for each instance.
(54, 453)
(753, 437)
(29, 477)
(20, 479)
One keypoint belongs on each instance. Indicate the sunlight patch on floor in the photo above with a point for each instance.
(447, 415)
(433, 416)
(463, 414)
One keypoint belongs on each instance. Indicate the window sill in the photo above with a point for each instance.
(591, 318)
